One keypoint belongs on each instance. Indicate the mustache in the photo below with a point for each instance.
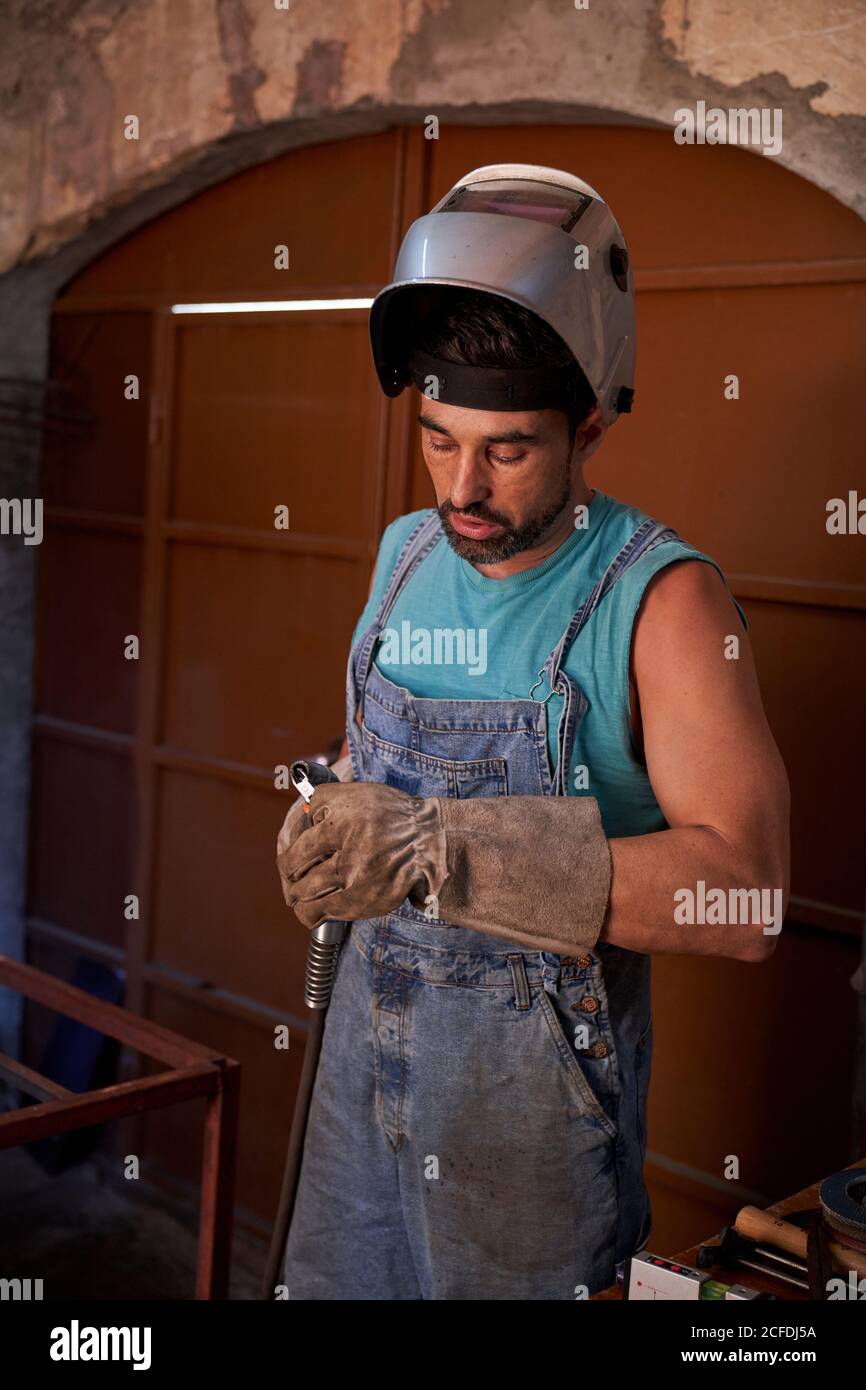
(473, 514)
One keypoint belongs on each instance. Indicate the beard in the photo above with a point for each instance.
(513, 539)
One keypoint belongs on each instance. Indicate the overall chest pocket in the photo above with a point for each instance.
(422, 774)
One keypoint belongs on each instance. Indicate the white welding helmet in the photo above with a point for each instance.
(515, 230)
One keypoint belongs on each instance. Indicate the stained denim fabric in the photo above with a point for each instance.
(460, 1145)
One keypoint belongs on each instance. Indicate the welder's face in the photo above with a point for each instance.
(501, 478)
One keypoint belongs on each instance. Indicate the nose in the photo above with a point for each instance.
(467, 484)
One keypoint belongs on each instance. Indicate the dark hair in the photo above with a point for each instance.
(485, 330)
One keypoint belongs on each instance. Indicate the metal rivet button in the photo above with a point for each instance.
(588, 1004)
(599, 1049)
(584, 960)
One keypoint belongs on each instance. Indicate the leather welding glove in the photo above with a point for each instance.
(296, 821)
(535, 870)
(369, 847)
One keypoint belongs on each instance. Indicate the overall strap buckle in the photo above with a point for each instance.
(538, 682)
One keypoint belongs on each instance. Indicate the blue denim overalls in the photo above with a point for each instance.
(464, 1142)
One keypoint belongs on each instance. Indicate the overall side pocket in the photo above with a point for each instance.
(562, 1031)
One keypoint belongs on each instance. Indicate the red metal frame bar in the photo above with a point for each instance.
(193, 1071)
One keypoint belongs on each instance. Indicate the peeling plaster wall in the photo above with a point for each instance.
(819, 48)
(196, 72)
(220, 85)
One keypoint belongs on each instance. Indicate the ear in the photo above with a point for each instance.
(589, 434)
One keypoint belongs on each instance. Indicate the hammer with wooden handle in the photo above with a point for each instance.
(754, 1224)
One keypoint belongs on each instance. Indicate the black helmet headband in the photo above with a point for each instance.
(493, 388)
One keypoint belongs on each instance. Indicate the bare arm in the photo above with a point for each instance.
(715, 771)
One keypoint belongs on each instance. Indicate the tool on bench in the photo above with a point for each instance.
(843, 1203)
(652, 1277)
(806, 1259)
(734, 1249)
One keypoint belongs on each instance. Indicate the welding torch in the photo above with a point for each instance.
(322, 954)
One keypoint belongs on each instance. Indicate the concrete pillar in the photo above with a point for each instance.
(24, 320)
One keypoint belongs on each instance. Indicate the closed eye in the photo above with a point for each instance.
(444, 448)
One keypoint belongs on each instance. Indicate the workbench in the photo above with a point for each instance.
(804, 1200)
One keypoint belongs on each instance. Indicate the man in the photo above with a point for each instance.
(554, 732)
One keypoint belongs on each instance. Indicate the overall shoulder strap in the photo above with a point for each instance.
(648, 535)
(416, 547)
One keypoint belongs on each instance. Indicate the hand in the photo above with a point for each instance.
(296, 821)
(293, 825)
(368, 848)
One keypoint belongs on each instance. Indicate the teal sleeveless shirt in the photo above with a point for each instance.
(456, 634)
